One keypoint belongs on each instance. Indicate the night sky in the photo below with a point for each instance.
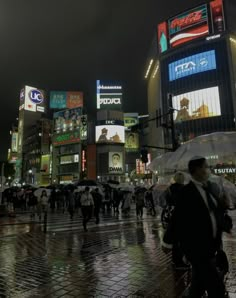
(68, 44)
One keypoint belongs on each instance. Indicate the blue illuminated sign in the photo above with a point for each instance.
(192, 65)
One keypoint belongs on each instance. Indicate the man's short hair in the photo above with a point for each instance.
(116, 154)
(195, 163)
(87, 188)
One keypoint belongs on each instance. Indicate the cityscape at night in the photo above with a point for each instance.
(118, 152)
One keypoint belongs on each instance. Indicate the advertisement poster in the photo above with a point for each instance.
(116, 163)
(188, 26)
(66, 138)
(203, 103)
(109, 96)
(192, 65)
(217, 14)
(67, 119)
(110, 134)
(66, 100)
(162, 37)
(74, 100)
(131, 142)
(35, 100)
(58, 100)
(14, 142)
(131, 119)
(45, 164)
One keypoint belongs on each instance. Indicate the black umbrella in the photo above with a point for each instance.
(87, 183)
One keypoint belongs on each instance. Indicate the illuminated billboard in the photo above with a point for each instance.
(66, 100)
(35, 99)
(192, 65)
(203, 103)
(188, 26)
(217, 15)
(14, 142)
(131, 142)
(109, 96)
(131, 119)
(116, 163)
(66, 138)
(67, 119)
(110, 134)
(162, 32)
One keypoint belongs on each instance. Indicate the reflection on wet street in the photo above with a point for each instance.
(117, 260)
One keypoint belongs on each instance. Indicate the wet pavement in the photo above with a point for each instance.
(120, 258)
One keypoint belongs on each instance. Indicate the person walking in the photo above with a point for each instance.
(52, 200)
(87, 204)
(42, 204)
(171, 197)
(150, 202)
(71, 203)
(197, 224)
(140, 202)
(127, 202)
(97, 198)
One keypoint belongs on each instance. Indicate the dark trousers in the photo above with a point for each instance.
(96, 214)
(205, 277)
(139, 211)
(177, 254)
(87, 214)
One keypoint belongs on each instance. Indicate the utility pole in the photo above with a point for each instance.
(172, 124)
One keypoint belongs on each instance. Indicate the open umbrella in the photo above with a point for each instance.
(217, 144)
(159, 163)
(39, 191)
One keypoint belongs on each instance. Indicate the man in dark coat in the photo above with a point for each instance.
(196, 225)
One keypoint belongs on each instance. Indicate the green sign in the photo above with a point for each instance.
(66, 138)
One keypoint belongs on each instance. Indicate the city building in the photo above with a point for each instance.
(31, 128)
(110, 132)
(190, 73)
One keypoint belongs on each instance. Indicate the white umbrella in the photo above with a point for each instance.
(38, 192)
(160, 162)
(218, 143)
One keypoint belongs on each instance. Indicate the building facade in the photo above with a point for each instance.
(191, 75)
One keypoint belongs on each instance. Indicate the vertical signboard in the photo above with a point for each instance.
(217, 14)
(14, 142)
(162, 33)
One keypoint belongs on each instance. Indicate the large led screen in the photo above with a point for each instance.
(110, 134)
(192, 65)
(203, 103)
(188, 26)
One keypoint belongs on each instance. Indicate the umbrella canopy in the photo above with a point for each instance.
(160, 161)
(38, 192)
(218, 143)
(87, 183)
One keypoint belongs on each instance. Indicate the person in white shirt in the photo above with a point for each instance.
(87, 204)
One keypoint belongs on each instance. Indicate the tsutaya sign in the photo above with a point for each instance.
(109, 96)
(225, 171)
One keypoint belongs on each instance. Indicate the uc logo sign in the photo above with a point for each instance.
(36, 96)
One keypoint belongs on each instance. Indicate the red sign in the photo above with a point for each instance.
(217, 13)
(162, 37)
(74, 100)
(83, 161)
(188, 26)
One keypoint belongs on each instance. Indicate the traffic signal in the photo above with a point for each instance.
(144, 156)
